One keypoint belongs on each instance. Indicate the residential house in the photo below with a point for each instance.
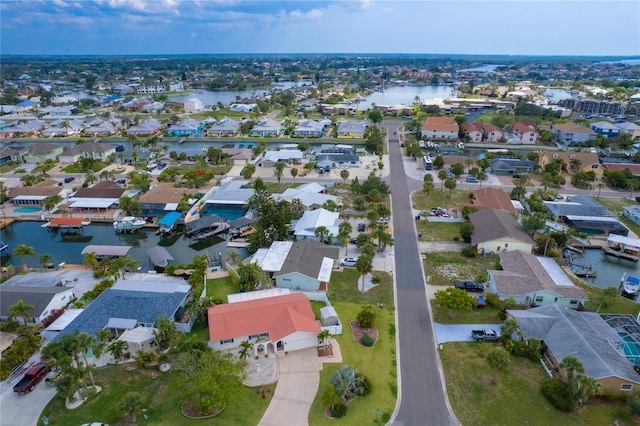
(605, 128)
(26, 106)
(32, 196)
(243, 107)
(165, 197)
(274, 325)
(137, 301)
(310, 128)
(185, 128)
(572, 133)
(193, 105)
(225, 127)
(494, 198)
(440, 128)
(303, 265)
(573, 161)
(122, 89)
(496, 231)
(41, 152)
(267, 127)
(153, 107)
(239, 156)
(103, 128)
(474, 131)
(534, 281)
(306, 226)
(634, 168)
(311, 195)
(63, 128)
(504, 166)
(102, 195)
(585, 336)
(135, 105)
(149, 126)
(585, 215)
(338, 160)
(523, 133)
(229, 201)
(352, 129)
(95, 150)
(269, 158)
(28, 128)
(55, 112)
(8, 154)
(44, 300)
(492, 133)
(629, 128)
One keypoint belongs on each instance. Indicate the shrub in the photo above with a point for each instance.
(366, 317)
(469, 251)
(339, 410)
(634, 402)
(498, 358)
(559, 394)
(367, 340)
(493, 300)
(502, 316)
(365, 387)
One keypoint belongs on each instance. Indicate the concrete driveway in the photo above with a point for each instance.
(24, 410)
(297, 386)
(460, 332)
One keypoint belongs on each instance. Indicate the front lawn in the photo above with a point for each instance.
(481, 395)
(439, 231)
(485, 315)
(444, 268)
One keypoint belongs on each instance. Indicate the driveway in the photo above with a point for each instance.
(24, 410)
(297, 386)
(459, 332)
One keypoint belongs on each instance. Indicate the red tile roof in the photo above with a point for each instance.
(279, 316)
(617, 167)
(495, 199)
(440, 126)
(441, 120)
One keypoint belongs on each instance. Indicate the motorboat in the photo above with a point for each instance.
(128, 224)
(631, 285)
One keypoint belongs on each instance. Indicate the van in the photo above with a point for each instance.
(69, 179)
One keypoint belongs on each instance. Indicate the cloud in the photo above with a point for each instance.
(60, 3)
(127, 4)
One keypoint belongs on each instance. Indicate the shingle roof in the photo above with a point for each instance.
(306, 257)
(583, 335)
(495, 199)
(279, 316)
(39, 297)
(491, 224)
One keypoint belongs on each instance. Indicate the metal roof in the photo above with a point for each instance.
(98, 203)
(101, 250)
(159, 255)
(614, 238)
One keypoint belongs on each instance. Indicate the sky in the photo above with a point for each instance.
(503, 27)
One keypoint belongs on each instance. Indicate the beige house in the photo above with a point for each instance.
(573, 162)
(497, 231)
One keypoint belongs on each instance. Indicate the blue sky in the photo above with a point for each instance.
(511, 27)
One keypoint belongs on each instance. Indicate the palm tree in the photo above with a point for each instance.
(364, 265)
(279, 166)
(130, 205)
(245, 347)
(323, 336)
(233, 257)
(84, 342)
(45, 260)
(442, 175)
(117, 349)
(91, 260)
(21, 309)
(571, 366)
(320, 232)
(50, 202)
(142, 358)
(25, 252)
(344, 174)
(600, 186)
(294, 173)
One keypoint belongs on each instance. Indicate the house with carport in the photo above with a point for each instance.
(497, 231)
(44, 299)
(534, 281)
(305, 227)
(32, 196)
(585, 336)
(273, 324)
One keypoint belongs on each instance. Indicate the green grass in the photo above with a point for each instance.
(481, 395)
(316, 305)
(443, 268)
(163, 396)
(343, 288)
(439, 231)
(220, 288)
(439, 198)
(486, 315)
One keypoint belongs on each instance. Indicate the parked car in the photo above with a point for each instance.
(31, 378)
(362, 227)
(349, 261)
(485, 335)
(516, 175)
(69, 179)
(471, 179)
(470, 286)
(383, 221)
(638, 199)
(353, 240)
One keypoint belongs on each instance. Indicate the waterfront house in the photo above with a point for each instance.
(44, 299)
(585, 215)
(534, 281)
(572, 133)
(440, 128)
(41, 152)
(503, 166)
(185, 128)
(629, 128)
(149, 126)
(242, 107)
(305, 227)
(102, 195)
(496, 231)
(95, 150)
(523, 133)
(338, 160)
(270, 158)
(266, 127)
(165, 197)
(605, 128)
(239, 156)
(310, 128)
(275, 325)
(33, 196)
(28, 128)
(103, 128)
(225, 127)
(601, 349)
(352, 129)
(8, 154)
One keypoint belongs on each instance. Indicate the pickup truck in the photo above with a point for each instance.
(31, 378)
(470, 286)
(485, 335)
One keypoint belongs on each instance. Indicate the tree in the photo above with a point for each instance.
(364, 265)
(442, 175)
(450, 184)
(375, 116)
(118, 349)
(165, 332)
(142, 358)
(518, 193)
(347, 382)
(279, 167)
(50, 202)
(130, 205)
(321, 232)
(123, 264)
(482, 176)
(438, 162)
(498, 358)
(25, 252)
(344, 232)
(323, 336)
(294, 173)
(45, 260)
(131, 405)
(91, 260)
(245, 347)
(344, 175)
(603, 298)
(248, 171)
(427, 188)
(455, 299)
(250, 276)
(466, 231)
(509, 328)
(366, 318)
(21, 309)
(533, 222)
(457, 169)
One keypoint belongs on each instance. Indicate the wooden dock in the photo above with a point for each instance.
(4, 222)
(237, 244)
(621, 254)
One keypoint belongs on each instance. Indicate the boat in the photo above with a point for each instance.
(631, 285)
(622, 247)
(128, 224)
(4, 248)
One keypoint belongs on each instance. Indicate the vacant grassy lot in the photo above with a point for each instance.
(486, 315)
(482, 396)
(438, 231)
(439, 198)
(446, 267)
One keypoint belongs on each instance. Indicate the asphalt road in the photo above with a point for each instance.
(421, 388)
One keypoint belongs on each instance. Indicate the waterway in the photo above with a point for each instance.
(556, 95)
(609, 269)
(68, 247)
(396, 95)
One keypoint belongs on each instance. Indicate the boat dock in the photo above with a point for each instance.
(237, 244)
(622, 247)
(4, 222)
(71, 224)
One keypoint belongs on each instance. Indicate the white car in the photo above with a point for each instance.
(349, 261)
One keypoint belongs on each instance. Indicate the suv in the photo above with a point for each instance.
(349, 261)
(362, 227)
(470, 286)
(383, 221)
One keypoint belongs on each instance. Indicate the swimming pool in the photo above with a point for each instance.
(631, 348)
(28, 209)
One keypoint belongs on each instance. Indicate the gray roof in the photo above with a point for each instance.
(306, 257)
(578, 206)
(39, 297)
(524, 273)
(103, 250)
(491, 224)
(583, 335)
(143, 306)
(510, 164)
(347, 158)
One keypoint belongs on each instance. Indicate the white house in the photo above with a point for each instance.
(43, 299)
(306, 226)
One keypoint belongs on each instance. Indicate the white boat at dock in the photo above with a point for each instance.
(622, 247)
(630, 284)
(128, 224)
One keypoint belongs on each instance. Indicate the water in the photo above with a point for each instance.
(556, 95)
(396, 95)
(610, 269)
(68, 248)
(483, 68)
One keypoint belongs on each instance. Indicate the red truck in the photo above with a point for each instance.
(31, 378)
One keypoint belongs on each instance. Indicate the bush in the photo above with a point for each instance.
(502, 316)
(365, 387)
(469, 251)
(559, 394)
(366, 317)
(339, 410)
(493, 300)
(498, 358)
(634, 402)
(367, 340)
